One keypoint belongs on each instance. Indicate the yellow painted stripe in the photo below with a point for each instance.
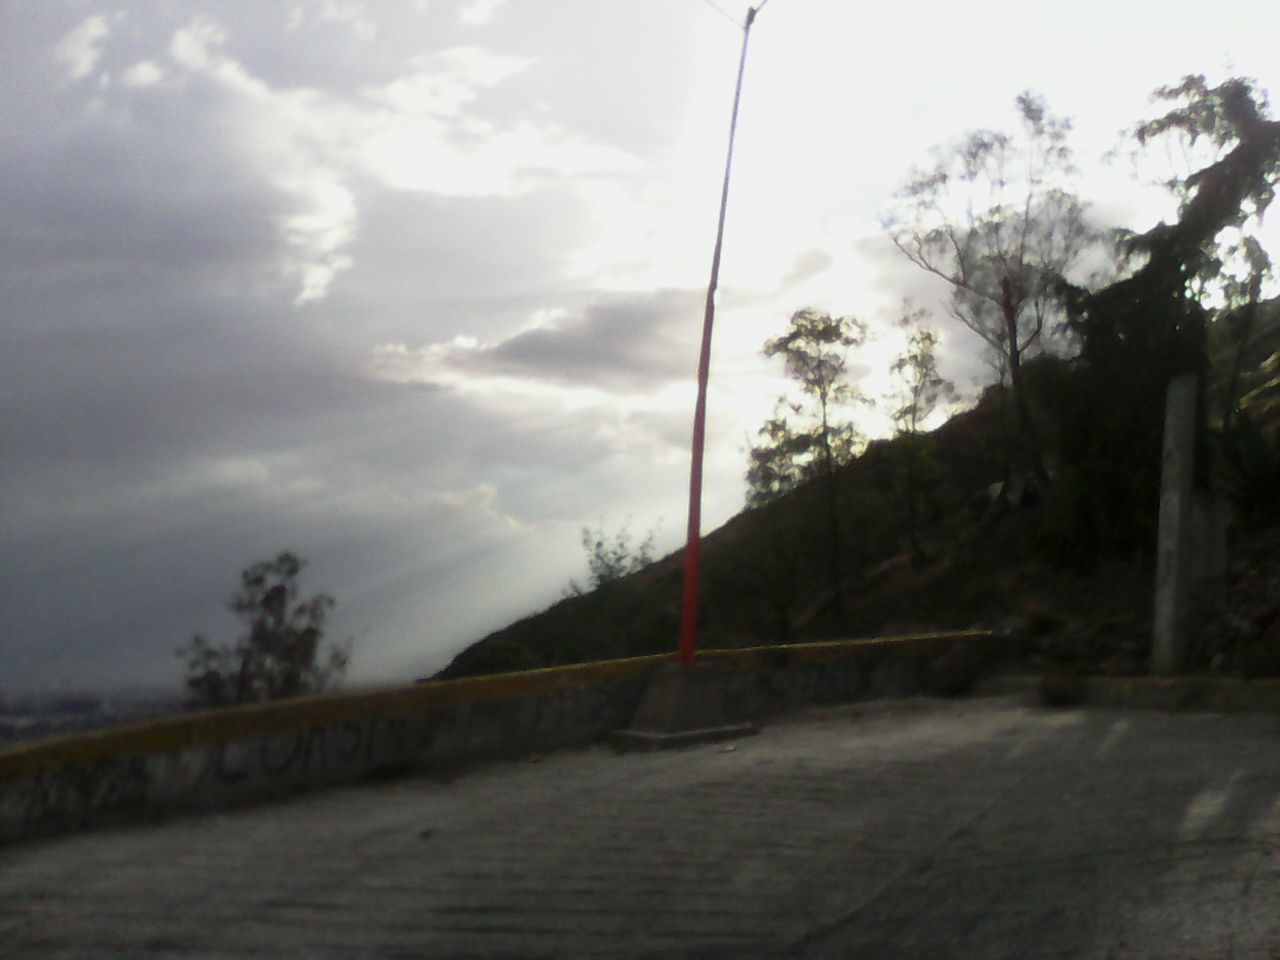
(170, 734)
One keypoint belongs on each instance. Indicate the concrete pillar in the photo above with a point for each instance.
(1173, 556)
(1208, 546)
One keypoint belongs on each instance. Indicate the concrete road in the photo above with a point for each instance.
(904, 829)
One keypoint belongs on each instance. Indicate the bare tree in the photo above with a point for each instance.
(997, 218)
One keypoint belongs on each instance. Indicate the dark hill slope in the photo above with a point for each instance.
(766, 572)
(765, 575)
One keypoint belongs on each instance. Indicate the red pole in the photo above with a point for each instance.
(693, 544)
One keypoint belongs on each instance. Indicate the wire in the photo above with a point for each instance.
(720, 10)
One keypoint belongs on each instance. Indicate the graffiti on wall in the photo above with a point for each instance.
(376, 746)
(74, 796)
(70, 797)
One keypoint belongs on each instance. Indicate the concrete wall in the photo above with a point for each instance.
(226, 757)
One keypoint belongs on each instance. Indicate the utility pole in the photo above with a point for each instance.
(693, 544)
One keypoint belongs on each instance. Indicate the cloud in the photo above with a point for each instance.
(806, 265)
(320, 233)
(627, 342)
(443, 82)
(143, 74)
(424, 131)
(414, 134)
(81, 49)
(444, 123)
(352, 13)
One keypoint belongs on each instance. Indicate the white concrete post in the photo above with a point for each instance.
(1173, 560)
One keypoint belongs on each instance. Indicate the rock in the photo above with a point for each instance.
(955, 671)
(1021, 491)
(1062, 689)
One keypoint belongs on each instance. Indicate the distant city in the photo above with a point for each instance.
(33, 715)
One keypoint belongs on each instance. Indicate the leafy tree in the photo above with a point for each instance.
(1194, 260)
(1137, 333)
(279, 652)
(1224, 267)
(921, 388)
(997, 218)
(1225, 194)
(807, 438)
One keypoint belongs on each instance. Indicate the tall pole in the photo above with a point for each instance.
(693, 544)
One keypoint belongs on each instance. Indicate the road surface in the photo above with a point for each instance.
(918, 828)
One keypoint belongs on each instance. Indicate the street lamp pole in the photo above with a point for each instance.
(693, 544)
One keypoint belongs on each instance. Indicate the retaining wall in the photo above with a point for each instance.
(221, 758)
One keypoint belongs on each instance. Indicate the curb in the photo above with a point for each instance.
(1171, 694)
(633, 741)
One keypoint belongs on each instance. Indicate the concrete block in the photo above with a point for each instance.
(683, 705)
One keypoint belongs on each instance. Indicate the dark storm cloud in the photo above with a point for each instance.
(152, 184)
(621, 343)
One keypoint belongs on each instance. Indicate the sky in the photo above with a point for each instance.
(413, 288)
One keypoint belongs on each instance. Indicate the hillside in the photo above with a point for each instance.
(989, 563)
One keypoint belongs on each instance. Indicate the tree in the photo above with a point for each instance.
(1162, 303)
(279, 652)
(1153, 321)
(1152, 324)
(1227, 193)
(997, 218)
(920, 390)
(805, 439)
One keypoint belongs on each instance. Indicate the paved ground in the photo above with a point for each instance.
(898, 830)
